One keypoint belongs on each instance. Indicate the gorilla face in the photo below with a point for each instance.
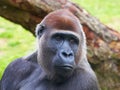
(59, 44)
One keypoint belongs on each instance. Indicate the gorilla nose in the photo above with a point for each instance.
(66, 54)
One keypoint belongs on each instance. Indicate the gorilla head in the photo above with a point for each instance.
(61, 44)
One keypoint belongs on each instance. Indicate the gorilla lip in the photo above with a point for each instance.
(69, 67)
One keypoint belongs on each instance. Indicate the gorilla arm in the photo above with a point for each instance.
(17, 72)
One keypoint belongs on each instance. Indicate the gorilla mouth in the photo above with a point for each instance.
(64, 67)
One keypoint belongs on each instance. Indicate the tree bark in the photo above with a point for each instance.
(103, 42)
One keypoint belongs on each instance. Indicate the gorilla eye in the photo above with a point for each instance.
(73, 41)
(59, 38)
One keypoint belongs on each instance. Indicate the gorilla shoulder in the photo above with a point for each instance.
(18, 71)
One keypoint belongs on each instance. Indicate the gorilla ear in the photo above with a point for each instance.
(39, 30)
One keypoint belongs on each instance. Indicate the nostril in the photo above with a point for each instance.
(67, 54)
(71, 54)
(64, 54)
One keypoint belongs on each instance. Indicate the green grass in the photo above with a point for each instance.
(16, 41)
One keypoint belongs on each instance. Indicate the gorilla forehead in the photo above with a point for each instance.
(62, 20)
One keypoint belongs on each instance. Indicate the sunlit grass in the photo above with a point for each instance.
(14, 42)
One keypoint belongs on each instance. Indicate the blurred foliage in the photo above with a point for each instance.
(107, 11)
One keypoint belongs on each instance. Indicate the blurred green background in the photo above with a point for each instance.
(15, 41)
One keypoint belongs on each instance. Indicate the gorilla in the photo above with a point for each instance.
(60, 61)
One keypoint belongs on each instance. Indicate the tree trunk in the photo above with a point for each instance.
(103, 42)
